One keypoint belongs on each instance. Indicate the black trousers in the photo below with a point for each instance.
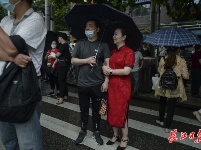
(62, 78)
(171, 104)
(85, 93)
(53, 82)
(196, 81)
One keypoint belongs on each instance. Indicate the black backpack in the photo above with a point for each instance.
(19, 90)
(169, 79)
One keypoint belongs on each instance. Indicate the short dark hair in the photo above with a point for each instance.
(29, 2)
(96, 22)
(196, 47)
(63, 35)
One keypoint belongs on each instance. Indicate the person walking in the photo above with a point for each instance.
(52, 69)
(167, 96)
(119, 89)
(135, 72)
(30, 26)
(64, 59)
(196, 72)
(90, 54)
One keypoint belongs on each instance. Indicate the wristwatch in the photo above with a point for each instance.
(111, 72)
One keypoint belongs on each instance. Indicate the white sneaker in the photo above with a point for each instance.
(160, 123)
(197, 115)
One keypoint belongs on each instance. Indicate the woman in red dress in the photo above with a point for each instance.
(119, 88)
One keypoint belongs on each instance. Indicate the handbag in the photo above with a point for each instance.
(62, 63)
(103, 106)
(19, 88)
(155, 80)
(52, 71)
(19, 93)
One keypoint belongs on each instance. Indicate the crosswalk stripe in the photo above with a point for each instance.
(155, 113)
(141, 126)
(71, 131)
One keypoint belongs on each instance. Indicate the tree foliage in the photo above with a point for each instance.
(115, 3)
(59, 12)
(177, 9)
(181, 9)
(3, 12)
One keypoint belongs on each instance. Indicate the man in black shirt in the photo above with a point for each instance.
(90, 54)
(64, 59)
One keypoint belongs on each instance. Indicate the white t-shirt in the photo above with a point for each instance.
(32, 29)
(138, 57)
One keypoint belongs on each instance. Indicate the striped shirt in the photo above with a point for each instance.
(31, 28)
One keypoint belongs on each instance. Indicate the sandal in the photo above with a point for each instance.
(59, 102)
(122, 148)
(117, 139)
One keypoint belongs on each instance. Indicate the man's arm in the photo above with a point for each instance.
(8, 51)
(6, 45)
(4, 56)
(141, 62)
(107, 65)
(77, 61)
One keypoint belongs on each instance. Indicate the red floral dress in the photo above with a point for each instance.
(119, 88)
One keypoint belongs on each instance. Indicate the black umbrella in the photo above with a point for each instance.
(108, 18)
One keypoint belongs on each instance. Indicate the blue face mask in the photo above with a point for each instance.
(90, 34)
(7, 5)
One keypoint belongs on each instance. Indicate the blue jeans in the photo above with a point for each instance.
(135, 76)
(23, 136)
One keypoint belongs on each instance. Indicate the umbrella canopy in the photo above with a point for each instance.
(108, 18)
(177, 37)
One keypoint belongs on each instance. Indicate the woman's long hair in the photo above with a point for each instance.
(170, 61)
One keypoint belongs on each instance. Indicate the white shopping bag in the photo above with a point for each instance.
(155, 80)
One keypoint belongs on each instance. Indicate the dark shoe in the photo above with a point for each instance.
(97, 137)
(122, 148)
(134, 93)
(161, 123)
(111, 143)
(82, 135)
(58, 94)
(44, 81)
(50, 94)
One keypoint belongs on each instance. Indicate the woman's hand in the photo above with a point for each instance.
(106, 70)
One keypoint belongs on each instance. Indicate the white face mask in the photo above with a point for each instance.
(53, 46)
(90, 34)
(7, 5)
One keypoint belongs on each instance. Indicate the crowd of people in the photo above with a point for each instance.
(101, 72)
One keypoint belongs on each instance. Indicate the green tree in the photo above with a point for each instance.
(119, 4)
(177, 9)
(60, 11)
(63, 7)
(3, 12)
(181, 9)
